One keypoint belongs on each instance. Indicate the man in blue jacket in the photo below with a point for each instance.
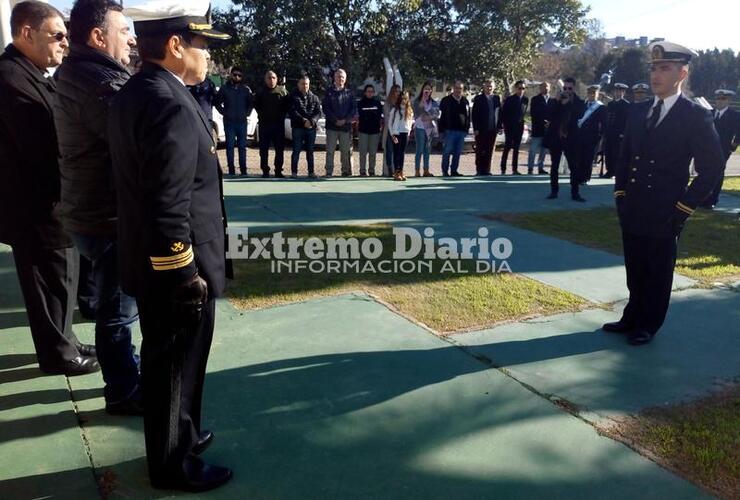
(234, 102)
(340, 110)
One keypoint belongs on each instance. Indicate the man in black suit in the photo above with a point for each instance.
(653, 201)
(562, 137)
(591, 126)
(538, 113)
(486, 107)
(616, 120)
(512, 121)
(45, 260)
(727, 123)
(171, 234)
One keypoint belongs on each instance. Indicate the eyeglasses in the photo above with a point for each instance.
(58, 36)
(236, 75)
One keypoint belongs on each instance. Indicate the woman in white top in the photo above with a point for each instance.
(426, 112)
(399, 125)
(385, 140)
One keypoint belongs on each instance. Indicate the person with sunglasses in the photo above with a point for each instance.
(727, 123)
(45, 258)
(234, 101)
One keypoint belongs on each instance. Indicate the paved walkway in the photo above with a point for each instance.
(341, 398)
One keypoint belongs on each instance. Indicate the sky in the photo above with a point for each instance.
(697, 24)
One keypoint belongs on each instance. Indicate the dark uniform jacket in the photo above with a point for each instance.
(592, 129)
(512, 113)
(455, 115)
(652, 176)
(29, 172)
(616, 119)
(86, 81)
(538, 113)
(728, 128)
(304, 107)
(171, 219)
(482, 113)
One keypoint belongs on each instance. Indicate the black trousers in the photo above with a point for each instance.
(272, 134)
(484, 143)
(48, 280)
(399, 151)
(713, 197)
(649, 262)
(174, 354)
(586, 157)
(513, 139)
(611, 155)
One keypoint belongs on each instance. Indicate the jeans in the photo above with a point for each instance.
(454, 140)
(344, 139)
(236, 132)
(422, 148)
(399, 151)
(116, 315)
(303, 137)
(368, 144)
(536, 148)
(273, 133)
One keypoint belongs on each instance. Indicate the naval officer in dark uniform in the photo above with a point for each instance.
(727, 123)
(616, 121)
(653, 201)
(170, 232)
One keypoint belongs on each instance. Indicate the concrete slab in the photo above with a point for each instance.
(569, 357)
(341, 398)
(42, 454)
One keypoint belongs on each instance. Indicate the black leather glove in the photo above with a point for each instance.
(189, 297)
(677, 221)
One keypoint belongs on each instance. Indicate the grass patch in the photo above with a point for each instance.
(731, 185)
(446, 302)
(700, 440)
(709, 249)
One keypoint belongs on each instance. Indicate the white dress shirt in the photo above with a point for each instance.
(668, 103)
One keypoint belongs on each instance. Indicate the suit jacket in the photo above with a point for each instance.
(728, 128)
(568, 130)
(652, 176)
(29, 191)
(513, 111)
(554, 113)
(538, 113)
(616, 121)
(171, 218)
(482, 113)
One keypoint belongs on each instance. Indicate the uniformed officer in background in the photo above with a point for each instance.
(653, 201)
(591, 128)
(615, 122)
(640, 92)
(171, 233)
(727, 123)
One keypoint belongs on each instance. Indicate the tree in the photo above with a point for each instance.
(628, 65)
(445, 39)
(714, 69)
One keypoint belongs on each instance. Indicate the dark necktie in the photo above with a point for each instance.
(655, 116)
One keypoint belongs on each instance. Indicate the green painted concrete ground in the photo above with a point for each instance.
(342, 398)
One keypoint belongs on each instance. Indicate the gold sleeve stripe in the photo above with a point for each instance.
(619, 193)
(168, 267)
(186, 256)
(195, 26)
(684, 208)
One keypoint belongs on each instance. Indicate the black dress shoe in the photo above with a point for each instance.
(266, 175)
(516, 172)
(542, 171)
(204, 441)
(87, 350)
(133, 406)
(553, 196)
(279, 175)
(617, 327)
(578, 198)
(445, 174)
(641, 337)
(197, 476)
(81, 365)
(457, 174)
